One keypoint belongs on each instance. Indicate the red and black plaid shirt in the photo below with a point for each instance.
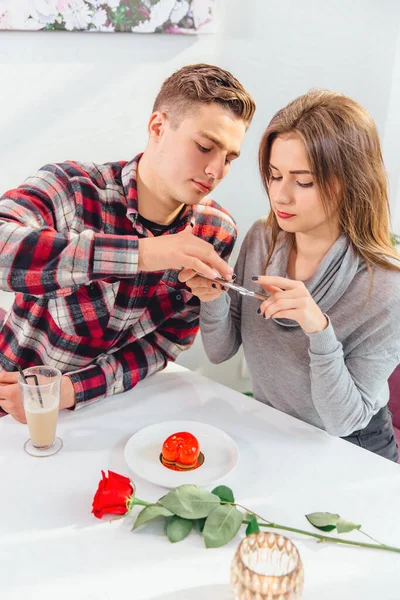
(69, 250)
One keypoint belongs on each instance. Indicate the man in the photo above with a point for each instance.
(93, 251)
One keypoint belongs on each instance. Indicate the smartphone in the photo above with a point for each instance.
(237, 288)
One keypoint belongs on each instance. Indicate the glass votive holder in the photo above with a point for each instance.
(267, 566)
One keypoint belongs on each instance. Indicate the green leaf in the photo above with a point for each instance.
(198, 523)
(189, 502)
(149, 513)
(343, 526)
(223, 492)
(329, 521)
(395, 239)
(178, 528)
(323, 520)
(253, 526)
(222, 525)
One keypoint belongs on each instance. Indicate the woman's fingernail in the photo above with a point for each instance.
(233, 277)
(259, 311)
(265, 316)
(214, 286)
(255, 278)
(191, 224)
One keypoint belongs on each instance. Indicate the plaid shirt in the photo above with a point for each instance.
(69, 249)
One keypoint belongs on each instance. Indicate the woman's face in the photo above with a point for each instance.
(293, 193)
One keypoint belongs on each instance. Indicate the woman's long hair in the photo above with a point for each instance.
(343, 149)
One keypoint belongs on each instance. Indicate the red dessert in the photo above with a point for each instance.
(180, 452)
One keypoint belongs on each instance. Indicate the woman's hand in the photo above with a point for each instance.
(291, 299)
(204, 289)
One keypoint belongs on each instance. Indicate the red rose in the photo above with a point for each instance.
(112, 495)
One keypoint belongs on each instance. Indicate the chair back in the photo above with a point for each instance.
(394, 400)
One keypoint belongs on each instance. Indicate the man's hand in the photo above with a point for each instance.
(67, 393)
(179, 250)
(11, 398)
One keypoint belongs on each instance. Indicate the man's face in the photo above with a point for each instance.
(192, 158)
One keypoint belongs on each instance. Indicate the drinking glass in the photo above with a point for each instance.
(40, 388)
(267, 566)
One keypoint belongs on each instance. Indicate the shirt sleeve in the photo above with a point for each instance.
(39, 251)
(220, 319)
(121, 369)
(345, 390)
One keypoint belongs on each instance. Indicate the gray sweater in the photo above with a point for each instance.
(335, 379)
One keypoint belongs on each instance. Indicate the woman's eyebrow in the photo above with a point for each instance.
(297, 172)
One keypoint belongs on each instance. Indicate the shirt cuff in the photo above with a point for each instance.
(325, 341)
(89, 385)
(115, 256)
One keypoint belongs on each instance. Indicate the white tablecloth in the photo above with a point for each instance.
(51, 546)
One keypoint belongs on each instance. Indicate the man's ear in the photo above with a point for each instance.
(156, 126)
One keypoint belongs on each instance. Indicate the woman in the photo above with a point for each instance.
(324, 343)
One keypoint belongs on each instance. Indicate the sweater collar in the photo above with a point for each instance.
(331, 279)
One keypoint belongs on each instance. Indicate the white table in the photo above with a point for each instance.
(51, 546)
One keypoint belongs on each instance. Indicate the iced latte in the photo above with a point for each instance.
(40, 389)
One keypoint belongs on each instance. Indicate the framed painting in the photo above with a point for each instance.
(133, 16)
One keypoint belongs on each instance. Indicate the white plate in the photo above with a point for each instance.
(142, 454)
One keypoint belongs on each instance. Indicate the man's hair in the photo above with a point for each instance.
(198, 84)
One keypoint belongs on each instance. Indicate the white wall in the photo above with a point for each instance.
(88, 96)
(391, 141)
